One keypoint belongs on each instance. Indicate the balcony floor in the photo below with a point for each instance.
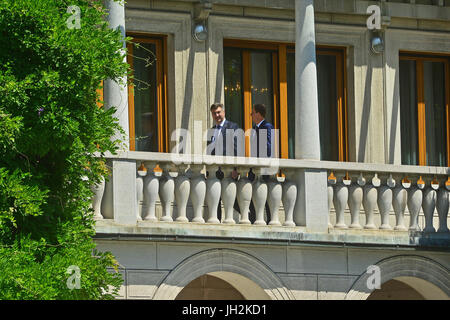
(177, 231)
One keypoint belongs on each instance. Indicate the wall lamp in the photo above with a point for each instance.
(377, 43)
(200, 32)
(201, 14)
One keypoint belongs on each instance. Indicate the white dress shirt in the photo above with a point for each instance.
(218, 130)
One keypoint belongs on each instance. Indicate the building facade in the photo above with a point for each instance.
(359, 95)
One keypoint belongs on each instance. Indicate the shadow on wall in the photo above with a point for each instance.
(365, 115)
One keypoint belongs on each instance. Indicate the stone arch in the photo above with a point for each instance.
(232, 266)
(425, 275)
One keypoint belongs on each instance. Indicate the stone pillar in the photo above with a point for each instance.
(307, 142)
(311, 209)
(124, 191)
(115, 94)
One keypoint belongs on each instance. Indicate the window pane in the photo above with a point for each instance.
(328, 115)
(261, 78)
(232, 69)
(408, 112)
(290, 75)
(145, 98)
(434, 87)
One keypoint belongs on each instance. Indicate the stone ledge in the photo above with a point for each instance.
(108, 229)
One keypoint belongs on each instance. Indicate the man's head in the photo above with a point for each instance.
(218, 112)
(258, 113)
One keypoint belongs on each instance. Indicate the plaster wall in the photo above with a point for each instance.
(304, 271)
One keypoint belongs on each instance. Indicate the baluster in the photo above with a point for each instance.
(442, 208)
(330, 188)
(182, 190)
(415, 198)
(428, 206)
(369, 203)
(98, 190)
(244, 196)
(399, 202)
(228, 185)
(259, 197)
(340, 201)
(213, 190)
(354, 202)
(384, 206)
(289, 198)
(391, 182)
(151, 189)
(167, 193)
(198, 193)
(141, 173)
(107, 206)
(275, 193)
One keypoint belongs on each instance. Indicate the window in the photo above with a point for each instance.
(250, 78)
(147, 94)
(424, 109)
(259, 72)
(331, 89)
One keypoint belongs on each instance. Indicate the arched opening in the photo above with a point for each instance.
(252, 279)
(395, 290)
(407, 277)
(208, 287)
(222, 285)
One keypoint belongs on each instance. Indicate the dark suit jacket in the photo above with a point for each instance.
(269, 127)
(226, 126)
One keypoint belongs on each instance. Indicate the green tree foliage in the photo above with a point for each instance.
(50, 129)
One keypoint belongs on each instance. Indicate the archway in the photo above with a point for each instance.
(248, 275)
(395, 290)
(209, 287)
(421, 276)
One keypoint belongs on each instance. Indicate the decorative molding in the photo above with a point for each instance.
(226, 260)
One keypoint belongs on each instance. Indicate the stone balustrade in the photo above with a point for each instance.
(163, 188)
(399, 189)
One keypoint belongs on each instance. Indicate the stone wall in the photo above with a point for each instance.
(161, 269)
(195, 77)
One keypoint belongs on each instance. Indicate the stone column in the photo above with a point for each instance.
(307, 142)
(311, 209)
(115, 94)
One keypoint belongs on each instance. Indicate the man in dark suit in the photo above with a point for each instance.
(220, 131)
(261, 127)
(219, 141)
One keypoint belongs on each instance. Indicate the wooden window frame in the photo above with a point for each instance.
(341, 96)
(419, 58)
(279, 68)
(160, 43)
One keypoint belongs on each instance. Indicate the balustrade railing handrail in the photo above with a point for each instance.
(192, 159)
(131, 193)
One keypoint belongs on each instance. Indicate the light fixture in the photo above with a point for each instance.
(200, 32)
(377, 43)
(200, 18)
